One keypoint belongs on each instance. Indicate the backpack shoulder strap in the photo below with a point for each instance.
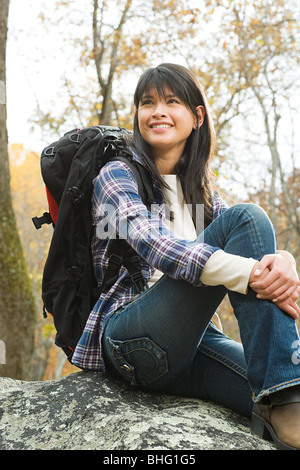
(143, 178)
(119, 251)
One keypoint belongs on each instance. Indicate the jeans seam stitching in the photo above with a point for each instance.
(206, 350)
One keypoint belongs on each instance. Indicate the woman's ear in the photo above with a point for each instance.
(201, 114)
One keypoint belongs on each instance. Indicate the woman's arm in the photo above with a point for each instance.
(119, 210)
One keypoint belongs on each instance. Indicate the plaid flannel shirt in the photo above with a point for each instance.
(117, 207)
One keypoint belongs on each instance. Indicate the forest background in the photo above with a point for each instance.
(75, 63)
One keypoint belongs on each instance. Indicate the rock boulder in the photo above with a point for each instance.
(91, 411)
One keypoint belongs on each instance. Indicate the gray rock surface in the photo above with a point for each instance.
(90, 411)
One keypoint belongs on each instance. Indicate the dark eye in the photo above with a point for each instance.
(146, 101)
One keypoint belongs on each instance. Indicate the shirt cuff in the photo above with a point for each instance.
(232, 271)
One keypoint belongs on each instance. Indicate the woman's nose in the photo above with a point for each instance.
(159, 111)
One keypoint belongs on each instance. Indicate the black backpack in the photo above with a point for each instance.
(69, 287)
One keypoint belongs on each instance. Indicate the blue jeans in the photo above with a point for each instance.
(164, 340)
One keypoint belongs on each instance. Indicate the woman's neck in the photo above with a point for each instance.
(166, 163)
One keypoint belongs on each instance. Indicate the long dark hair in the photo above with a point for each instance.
(193, 166)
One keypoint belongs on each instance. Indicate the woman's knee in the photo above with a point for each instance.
(254, 223)
(252, 212)
(249, 208)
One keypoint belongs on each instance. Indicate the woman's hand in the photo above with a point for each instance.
(290, 305)
(275, 278)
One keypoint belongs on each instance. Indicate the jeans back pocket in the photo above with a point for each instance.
(140, 361)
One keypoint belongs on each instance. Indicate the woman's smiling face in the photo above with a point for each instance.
(165, 122)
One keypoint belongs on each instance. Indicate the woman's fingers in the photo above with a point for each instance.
(274, 278)
(282, 292)
(290, 307)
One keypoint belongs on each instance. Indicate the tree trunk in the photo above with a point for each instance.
(17, 306)
(107, 108)
(99, 50)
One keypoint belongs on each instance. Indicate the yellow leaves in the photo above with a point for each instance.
(222, 3)
(29, 199)
(163, 4)
(48, 330)
(17, 153)
(189, 16)
(259, 41)
(133, 52)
